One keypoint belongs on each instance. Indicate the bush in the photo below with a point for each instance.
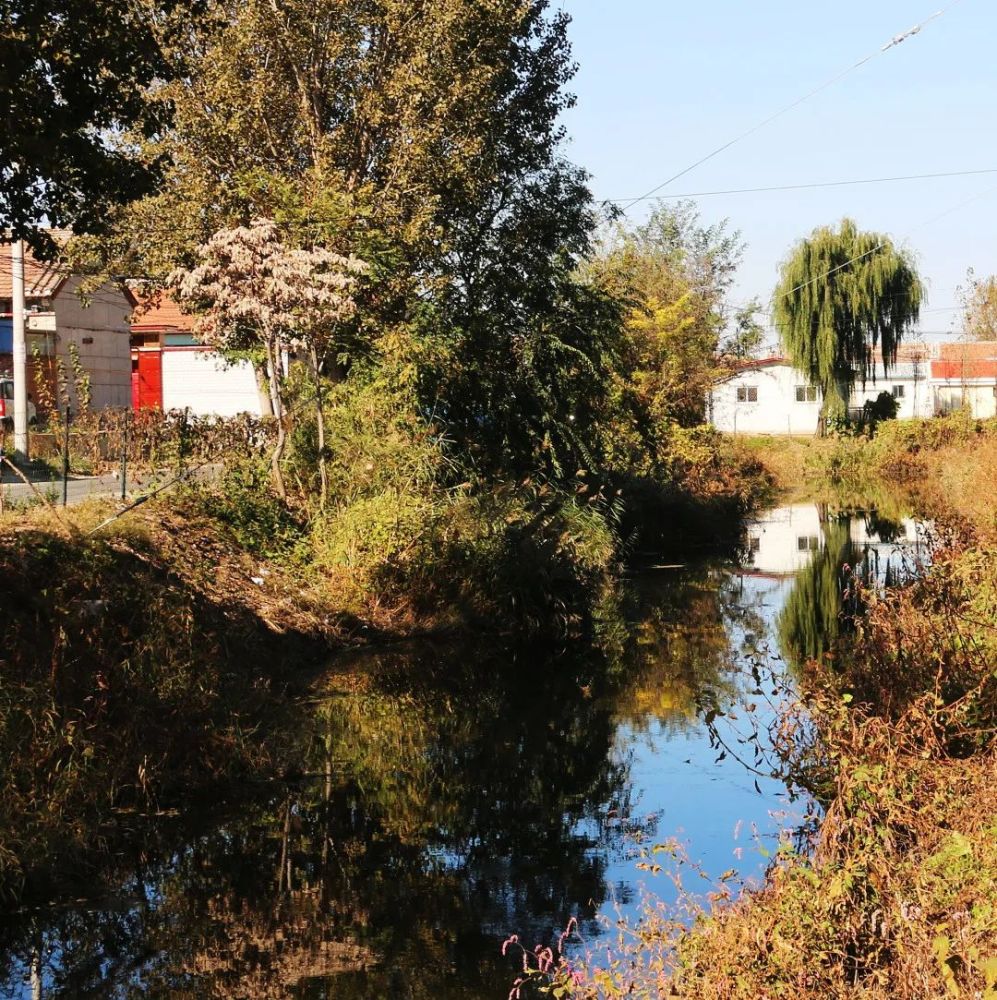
(244, 502)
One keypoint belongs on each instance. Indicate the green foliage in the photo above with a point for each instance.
(883, 407)
(673, 274)
(843, 293)
(814, 616)
(259, 521)
(74, 72)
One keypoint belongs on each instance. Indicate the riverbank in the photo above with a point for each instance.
(894, 734)
(156, 659)
(944, 465)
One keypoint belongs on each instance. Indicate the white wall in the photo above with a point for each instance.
(201, 380)
(917, 401)
(979, 396)
(785, 540)
(775, 412)
(105, 323)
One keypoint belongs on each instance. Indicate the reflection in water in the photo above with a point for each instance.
(821, 554)
(442, 798)
(821, 598)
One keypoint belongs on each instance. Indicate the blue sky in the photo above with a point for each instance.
(660, 84)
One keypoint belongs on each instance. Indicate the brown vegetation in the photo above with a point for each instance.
(896, 735)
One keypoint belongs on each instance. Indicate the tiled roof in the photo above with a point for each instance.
(985, 368)
(41, 278)
(774, 359)
(158, 311)
(969, 350)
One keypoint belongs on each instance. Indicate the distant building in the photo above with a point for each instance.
(964, 375)
(768, 396)
(171, 371)
(57, 318)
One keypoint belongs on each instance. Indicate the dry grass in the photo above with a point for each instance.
(897, 737)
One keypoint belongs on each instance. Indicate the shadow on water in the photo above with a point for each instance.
(441, 797)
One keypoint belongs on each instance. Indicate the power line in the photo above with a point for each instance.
(802, 187)
(882, 244)
(892, 43)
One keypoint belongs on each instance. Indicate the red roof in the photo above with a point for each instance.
(958, 370)
(158, 311)
(42, 279)
(972, 359)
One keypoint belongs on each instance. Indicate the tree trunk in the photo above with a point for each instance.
(276, 402)
(263, 389)
(320, 425)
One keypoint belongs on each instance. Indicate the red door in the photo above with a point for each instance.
(147, 380)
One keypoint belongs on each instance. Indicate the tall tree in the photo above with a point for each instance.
(674, 272)
(72, 73)
(843, 293)
(979, 302)
(424, 137)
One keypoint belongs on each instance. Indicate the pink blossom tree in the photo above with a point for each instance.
(253, 293)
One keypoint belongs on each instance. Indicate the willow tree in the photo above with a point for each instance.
(842, 294)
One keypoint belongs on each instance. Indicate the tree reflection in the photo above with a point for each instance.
(439, 797)
(680, 653)
(435, 809)
(812, 618)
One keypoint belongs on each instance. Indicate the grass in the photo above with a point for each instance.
(137, 666)
(896, 736)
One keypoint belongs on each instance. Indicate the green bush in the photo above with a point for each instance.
(243, 500)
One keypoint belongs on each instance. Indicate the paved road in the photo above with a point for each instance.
(81, 488)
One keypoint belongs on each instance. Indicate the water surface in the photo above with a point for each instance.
(444, 797)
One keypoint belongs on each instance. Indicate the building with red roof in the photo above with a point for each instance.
(768, 396)
(172, 371)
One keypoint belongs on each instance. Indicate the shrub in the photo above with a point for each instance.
(244, 502)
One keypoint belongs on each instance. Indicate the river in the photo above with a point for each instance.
(443, 797)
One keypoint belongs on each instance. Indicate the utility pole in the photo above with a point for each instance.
(20, 351)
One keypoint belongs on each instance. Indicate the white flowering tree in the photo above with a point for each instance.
(251, 292)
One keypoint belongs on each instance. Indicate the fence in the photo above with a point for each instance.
(104, 441)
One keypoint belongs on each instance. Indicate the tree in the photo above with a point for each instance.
(253, 292)
(745, 335)
(72, 73)
(979, 302)
(843, 293)
(674, 273)
(424, 138)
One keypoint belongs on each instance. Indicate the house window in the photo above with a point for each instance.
(747, 393)
(806, 394)
(754, 544)
(898, 391)
(807, 543)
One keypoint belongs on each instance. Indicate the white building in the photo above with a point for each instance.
(764, 397)
(60, 324)
(769, 396)
(170, 371)
(964, 376)
(908, 383)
